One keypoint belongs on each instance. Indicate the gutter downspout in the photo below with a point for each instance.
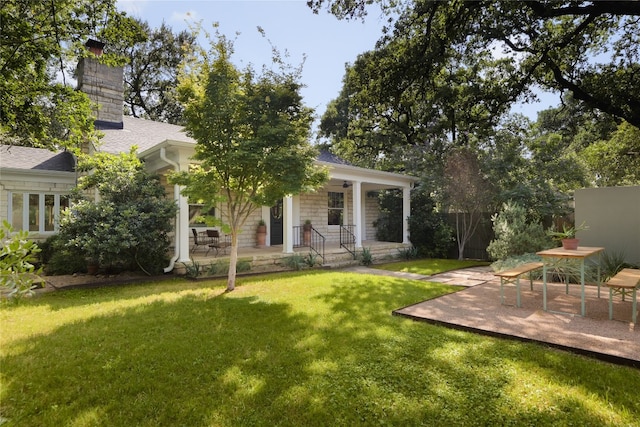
(176, 196)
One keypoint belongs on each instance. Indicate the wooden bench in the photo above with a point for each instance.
(513, 276)
(626, 282)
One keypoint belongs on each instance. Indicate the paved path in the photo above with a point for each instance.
(477, 308)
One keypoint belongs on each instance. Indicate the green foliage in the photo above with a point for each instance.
(616, 161)
(611, 262)
(295, 262)
(128, 228)
(409, 253)
(252, 136)
(193, 269)
(216, 268)
(389, 222)
(433, 46)
(366, 258)
(311, 260)
(38, 38)
(61, 259)
(151, 74)
(17, 255)
(243, 266)
(567, 232)
(430, 235)
(515, 234)
(514, 261)
(428, 232)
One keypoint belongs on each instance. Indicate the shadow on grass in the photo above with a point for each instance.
(335, 358)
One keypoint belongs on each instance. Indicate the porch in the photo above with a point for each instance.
(272, 258)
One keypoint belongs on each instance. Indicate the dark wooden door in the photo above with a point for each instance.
(276, 223)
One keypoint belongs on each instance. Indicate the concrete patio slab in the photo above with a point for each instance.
(478, 309)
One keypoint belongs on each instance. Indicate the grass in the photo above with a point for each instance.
(427, 267)
(304, 348)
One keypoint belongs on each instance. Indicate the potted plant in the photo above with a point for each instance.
(568, 235)
(261, 234)
(306, 232)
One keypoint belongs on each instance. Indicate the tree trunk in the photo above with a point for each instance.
(233, 261)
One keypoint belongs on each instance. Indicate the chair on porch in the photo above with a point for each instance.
(200, 239)
(217, 242)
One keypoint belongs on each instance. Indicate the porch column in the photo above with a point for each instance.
(182, 228)
(357, 212)
(287, 225)
(406, 211)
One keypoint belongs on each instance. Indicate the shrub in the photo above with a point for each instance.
(128, 228)
(295, 262)
(366, 258)
(242, 266)
(429, 233)
(611, 263)
(192, 270)
(311, 260)
(409, 253)
(17, 254)
(514, 234)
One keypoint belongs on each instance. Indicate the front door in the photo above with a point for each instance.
(276, 223)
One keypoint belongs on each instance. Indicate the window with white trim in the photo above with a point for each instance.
(36, 212)
(335, 208)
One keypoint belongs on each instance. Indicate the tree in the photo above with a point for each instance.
(590, 49)
(615, 161)
(38, 39)
(467, 192)
(252, 138)
(151, 73)
(17, 258)
(516, 233)
(128, 227)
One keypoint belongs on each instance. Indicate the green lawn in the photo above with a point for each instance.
(299, 349)
(427, 267)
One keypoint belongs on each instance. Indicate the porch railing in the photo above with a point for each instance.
(348, 239)
(310, 238)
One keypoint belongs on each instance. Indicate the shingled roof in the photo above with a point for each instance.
(326, 156)
(143, 133)
(28, 158)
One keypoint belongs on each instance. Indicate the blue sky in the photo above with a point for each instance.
(327, 42)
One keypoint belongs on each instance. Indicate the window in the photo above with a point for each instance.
(197, 213)
(36, 212)
(336, 208)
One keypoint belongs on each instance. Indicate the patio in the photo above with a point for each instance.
(477, 308)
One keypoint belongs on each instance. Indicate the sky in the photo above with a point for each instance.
(326, 42)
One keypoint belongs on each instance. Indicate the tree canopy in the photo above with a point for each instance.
(151, 73)
(40, 43)
(252, 132)
(590, 49)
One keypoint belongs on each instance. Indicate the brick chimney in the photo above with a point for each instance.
(104, 86)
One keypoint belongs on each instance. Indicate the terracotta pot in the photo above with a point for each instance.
(92, 269)
(570, 244)
(261, 236)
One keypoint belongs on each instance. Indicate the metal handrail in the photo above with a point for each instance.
(348, 239)
(315, 241)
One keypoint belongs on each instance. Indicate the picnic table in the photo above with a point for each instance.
(549, 256)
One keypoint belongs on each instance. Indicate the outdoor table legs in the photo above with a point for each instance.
(581, 254)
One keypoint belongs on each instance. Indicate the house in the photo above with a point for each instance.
(36, 182)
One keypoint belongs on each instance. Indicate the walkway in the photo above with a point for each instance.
(477, 308)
